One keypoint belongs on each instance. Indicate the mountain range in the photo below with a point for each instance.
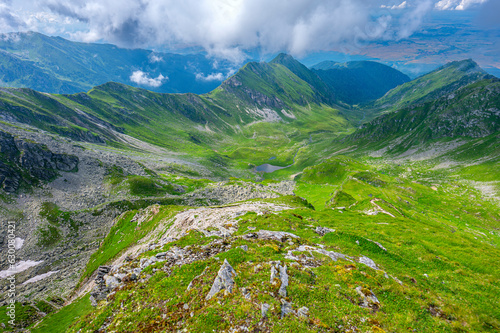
(341, 197)
(57, 65)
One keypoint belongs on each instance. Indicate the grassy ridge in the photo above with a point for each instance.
(443, 80)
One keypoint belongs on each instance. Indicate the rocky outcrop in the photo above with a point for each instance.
(368, 298)
(100, 291)
(223, 281)
(286, 308)
(22, 160)
(222, 193)
(279, 276)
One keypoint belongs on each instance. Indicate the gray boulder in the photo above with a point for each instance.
(279, 272)
(111, 282)
(284, 281)
(286, 308)
(223, 281)
(368, 298)
(368, 262)
(323, 231)
(303, 312)
(279, 236)
(264, 308)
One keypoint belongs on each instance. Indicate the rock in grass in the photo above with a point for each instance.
(279, 236)
(369, 300)
(93, 301)
(111, 282)
(286, 308)
(323, 231)
(274, 273)
(263, 309)
(378, 244)
(303, 312)
(368, 262)
(161, 255)
(284, 281)
(279, 271)
(223, 281)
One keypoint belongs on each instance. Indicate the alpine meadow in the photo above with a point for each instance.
(249, 166)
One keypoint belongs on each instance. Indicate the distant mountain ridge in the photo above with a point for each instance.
(258, 92)
(57, 65)
(281, 91)
(359, 82)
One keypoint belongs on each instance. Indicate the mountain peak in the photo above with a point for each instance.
(282, 59)
(467, 66)
(305, 74)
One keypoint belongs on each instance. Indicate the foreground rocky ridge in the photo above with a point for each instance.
(134, 271)
(277, 265)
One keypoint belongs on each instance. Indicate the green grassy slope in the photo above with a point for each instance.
(428, 225)
(322, 90)
(437, 83)
(427, 279)
(460, 115)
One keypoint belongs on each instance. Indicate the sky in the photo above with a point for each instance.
(413, 30)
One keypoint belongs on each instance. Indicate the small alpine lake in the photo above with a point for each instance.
(269, 167)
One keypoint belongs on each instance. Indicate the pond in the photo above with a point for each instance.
(269, 168)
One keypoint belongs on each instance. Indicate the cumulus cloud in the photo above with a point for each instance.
(458, 4)
(155, 58)
(228, 28)
(215, 76)
(224, 28)
(210, 77)
(143, 79)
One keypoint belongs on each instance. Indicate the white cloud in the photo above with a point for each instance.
(457, 4)
(402, 5)
(210, 77)
(226, 28)
(143, 79)
(412, 20)
(9, 21)
(215, 76)
(155, 58)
